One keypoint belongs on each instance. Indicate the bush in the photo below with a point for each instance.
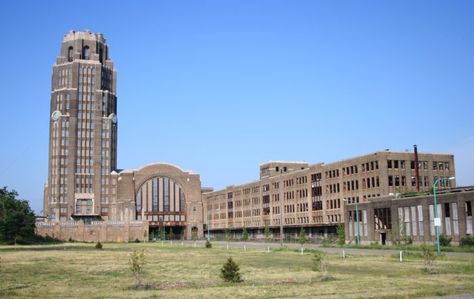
(302, 237)
(208, 244)
(245, 234)
(428, 257)
(137, 241)
(137, 262)
(230, 271)
(444, 240)
(318, 262)
(467, 241)
(98, 245)
(341, 234)
(267, 233)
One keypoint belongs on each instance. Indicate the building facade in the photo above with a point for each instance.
(313, 196)
(83, 128)
(392, 219)
(86, 197)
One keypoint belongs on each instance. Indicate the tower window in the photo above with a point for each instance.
(85, 53)
(70, 54)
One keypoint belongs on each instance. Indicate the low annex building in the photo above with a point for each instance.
(392, 219)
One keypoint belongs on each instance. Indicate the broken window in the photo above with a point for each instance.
(447, 213)
(382, 218)
(397, 180)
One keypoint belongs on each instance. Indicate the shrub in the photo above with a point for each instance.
(428, 258)
(98, 245)
(318, 261)
(444, 240)
(341, 234)
(230, 271)
(137, 241)
(302, 237)
(245, 234)
(208, 244)
(467, 241)
(267, 233)
(137, 262)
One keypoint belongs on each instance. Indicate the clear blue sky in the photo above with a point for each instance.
(219, 87)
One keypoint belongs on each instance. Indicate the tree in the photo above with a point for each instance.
(302, 236)
(137, 262)
(171, 234)
(341, 234)
(245, 234)
(429, 258)
(17, 220)
(227, 234)
(266, 233)
(230, 271)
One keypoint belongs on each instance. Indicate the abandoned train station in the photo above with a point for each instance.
(87, 197)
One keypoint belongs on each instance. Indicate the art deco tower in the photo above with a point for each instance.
(83, 129)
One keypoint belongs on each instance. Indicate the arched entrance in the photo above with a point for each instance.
(161, 201)
(194, 233)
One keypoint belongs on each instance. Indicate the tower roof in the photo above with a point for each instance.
(86, 34)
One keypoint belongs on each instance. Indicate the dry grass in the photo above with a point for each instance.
(79, 271)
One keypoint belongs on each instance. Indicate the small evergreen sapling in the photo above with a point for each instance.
(98, 245)
(230, 271)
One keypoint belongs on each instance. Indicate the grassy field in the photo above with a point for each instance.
(76, 270)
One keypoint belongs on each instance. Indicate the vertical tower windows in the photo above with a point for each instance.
(85, 52)
(70, 53)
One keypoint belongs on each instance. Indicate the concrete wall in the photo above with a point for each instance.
(104, 231)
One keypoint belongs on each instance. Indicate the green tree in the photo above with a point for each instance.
(341, 234)
(171, 234)
(302, 236)
(245, 234)
(17, 220)
(429, 258)
(266, 233)
(230, 271)
(137, 262)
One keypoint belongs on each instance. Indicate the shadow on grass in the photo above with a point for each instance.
(47, 247)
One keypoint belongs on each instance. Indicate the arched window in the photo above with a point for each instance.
(85, 52)
(161, 197)
(70, 54)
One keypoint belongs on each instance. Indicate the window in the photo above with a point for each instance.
(389, 163)
(468, 208)
(447, 213)
(70, 53)
(85, 53)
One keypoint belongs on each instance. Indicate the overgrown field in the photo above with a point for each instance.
(76, 270)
